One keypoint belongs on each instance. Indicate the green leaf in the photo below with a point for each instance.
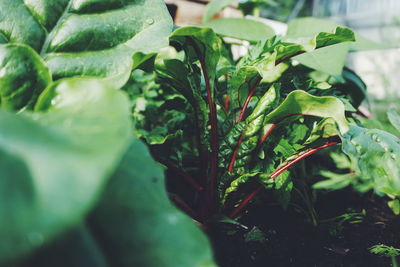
(24, 76)
(300, 102)
(324, 129)
(214, 7)
(53, 165)
(283, 188)
(267, 102)
(90, 38)
(335, 181)
(234, 185)
(175, 74)
(239, 28)
(376, 155)
(321, 59)
(310, 26)
(205, 45)
(394, 118)
(137, 225)
(395, 206)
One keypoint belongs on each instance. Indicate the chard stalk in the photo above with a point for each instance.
(276, 173)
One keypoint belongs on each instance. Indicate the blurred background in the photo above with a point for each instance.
(376, 20)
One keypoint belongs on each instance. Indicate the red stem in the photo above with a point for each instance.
(273, 125)
(245, 201)
(183, 206)
(214, 137)
(227, 103)
(275, 174)
(246, 103)
(311, 151)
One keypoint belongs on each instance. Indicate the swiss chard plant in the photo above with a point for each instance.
(252, 121)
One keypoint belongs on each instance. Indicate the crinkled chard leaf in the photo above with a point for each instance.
(23, 76)
(85, 37)
(53, 165)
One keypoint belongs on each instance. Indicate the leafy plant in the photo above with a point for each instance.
(255, 118)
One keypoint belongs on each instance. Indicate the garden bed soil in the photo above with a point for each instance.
(288, 239)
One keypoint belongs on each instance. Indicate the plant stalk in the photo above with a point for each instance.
(212, 183)
(275, 174)
(246, 103)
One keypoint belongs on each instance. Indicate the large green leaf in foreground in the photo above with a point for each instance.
(56, 168)
(136, 224)
(53, 165)
(133, 224)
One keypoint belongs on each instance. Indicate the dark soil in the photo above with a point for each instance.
(289, 239)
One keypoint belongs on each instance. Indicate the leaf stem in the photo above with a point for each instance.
(273, 125)
(232, 163)
(309, 152)
(246, 103)
(245, 201)
(275, 174)
(210, 189)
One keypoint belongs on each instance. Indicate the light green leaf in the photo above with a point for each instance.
(394, 118)
(321, 59)
(239, 28)
(376, 155)
(310, 26)
(53, 165)
(395, 206)
(234, 185)
(335, 181)
(214, 7)
(324, 129)
(300, 102)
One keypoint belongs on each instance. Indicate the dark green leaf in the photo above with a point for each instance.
(53, 165)
(91, 38)
(137, 225)
(24, 76)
